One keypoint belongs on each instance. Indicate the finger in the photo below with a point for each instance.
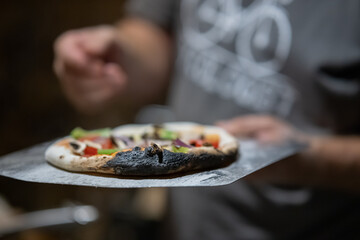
(82, 52)
(79, 85)
(93, 97)
(247, 125)
(68, 50)
(96, 40)
(100, 88)
(115, 76)
(269, 136)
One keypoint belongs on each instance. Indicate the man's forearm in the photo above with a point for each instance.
(334, 162)
(146, 55)
(329, 162)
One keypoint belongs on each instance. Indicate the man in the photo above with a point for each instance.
(274, 70)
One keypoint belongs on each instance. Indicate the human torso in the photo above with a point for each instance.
(296, 60)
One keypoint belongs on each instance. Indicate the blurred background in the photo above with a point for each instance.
(34, 110)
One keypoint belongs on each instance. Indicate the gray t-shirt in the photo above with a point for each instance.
(298, 60)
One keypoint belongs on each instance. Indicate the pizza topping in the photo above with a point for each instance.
(162, 143)
(213, 139)
(167, 149)
(77, 147)
(161, 133)
(98, 142)
(207, 144)
(80, 132)
(196, 142)
(154, 140)
(108, 151)
(92, 144)
(178, 142)
(90, 151)
(145, 135)
(167, 134)
(158, 132)
(207, 140)
(179, 149)
(122, 142)
(86, 147)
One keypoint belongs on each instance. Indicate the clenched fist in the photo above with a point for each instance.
(87, 62)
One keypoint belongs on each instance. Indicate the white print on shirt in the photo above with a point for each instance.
(236, 51)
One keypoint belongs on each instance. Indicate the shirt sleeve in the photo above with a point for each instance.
(159, 12)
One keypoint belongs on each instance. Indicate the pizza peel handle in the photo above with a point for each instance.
(82, 214)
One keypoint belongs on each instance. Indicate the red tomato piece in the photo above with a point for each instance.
(215, 144)
(213, 139)
(90, 151)
(197, 142)
(200, 143)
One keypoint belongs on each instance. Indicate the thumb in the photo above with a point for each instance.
(246, 126)
(96, 40)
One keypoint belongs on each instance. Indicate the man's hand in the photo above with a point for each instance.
(329, 161)
(267, 129)
(129, 62)
(87, 64)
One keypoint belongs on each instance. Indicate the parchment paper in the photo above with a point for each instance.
(30, 165)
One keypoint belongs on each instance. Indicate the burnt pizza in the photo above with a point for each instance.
(145, 150)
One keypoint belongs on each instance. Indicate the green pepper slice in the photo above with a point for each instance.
(167, 134)
(179, 149)
(108, 151)
(79, 132)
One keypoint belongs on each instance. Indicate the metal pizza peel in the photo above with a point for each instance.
(30, 165)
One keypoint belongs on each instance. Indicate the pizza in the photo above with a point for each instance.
(145, 150)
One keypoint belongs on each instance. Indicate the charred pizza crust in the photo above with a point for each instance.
(152, 160)
(162, 162)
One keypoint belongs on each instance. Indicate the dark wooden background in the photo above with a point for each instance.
(33, 108)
